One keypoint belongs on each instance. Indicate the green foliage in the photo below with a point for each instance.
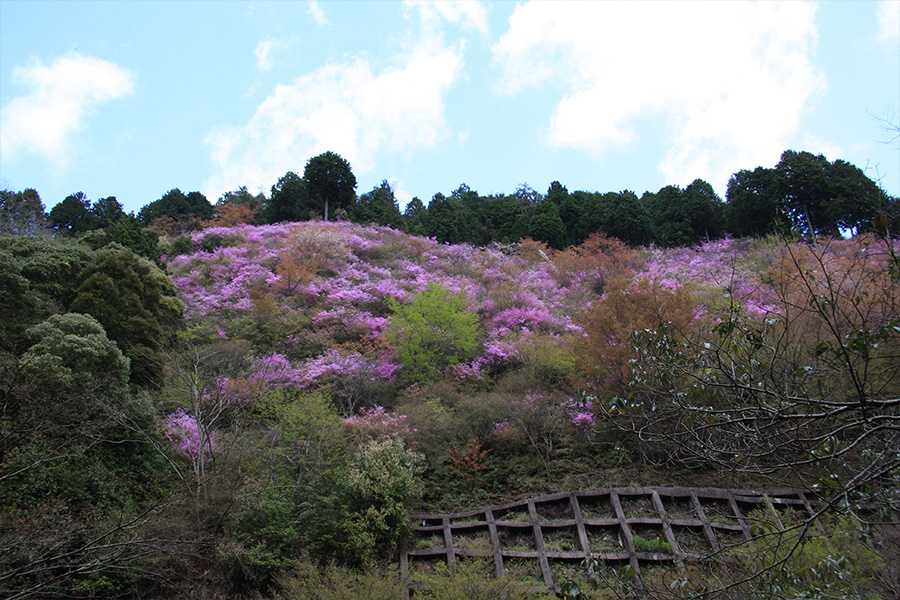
(685, 217)
(21, 213)
(444, 219)
(414, 216)
(72, 432)
(378, 206)
(806, 193)
(135, 302)
(625, 217)
(73, 215)
(289, 200)
(308, 581)
(18, 303)
(51, 266)
(432, 331)
(269, 333)
(180, 245)
(330, 182)
(474, 579)
(305, 445)
(794, 557)
(547, 226)
(642, 544)
(126, 231)
(263, 536)
(545, 359)
(368, 513)
(186, 209)
(71, 353)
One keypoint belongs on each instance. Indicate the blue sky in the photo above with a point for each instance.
(134, 98)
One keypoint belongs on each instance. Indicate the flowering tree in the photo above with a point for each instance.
(537, 420)
(375, 422)
(190, 437)
(209, 400)
(812, 387)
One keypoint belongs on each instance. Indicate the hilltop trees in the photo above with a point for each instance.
(378, 206)
(330, 183)
(753, 203)
(546, 225)
(73, 215)
(289, 200)
(443, 220)
(236, 208)
(327, 185)
(806, 193)
(21, 213)
(184, 211)
(685, 217)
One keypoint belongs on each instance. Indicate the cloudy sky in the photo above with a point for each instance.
(132, 99)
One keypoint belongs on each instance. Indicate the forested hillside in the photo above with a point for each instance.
(199, 406)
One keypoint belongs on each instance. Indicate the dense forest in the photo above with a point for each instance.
(250, 399)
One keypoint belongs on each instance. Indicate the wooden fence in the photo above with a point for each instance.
(636, 527)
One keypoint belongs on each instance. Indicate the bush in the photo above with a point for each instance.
(310, 582)
(368, 513)
(432, 331)
(802, 560)
(475, 580)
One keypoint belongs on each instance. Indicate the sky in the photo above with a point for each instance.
(132, 99)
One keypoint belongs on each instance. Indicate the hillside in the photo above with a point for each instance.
(326, 380)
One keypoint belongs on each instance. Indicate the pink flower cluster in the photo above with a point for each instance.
(277, 370)
(189, 437)
(377, 422)
(724, 264)
(348, 299)
(581, 411)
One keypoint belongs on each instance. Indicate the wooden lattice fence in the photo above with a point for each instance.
(613, 525)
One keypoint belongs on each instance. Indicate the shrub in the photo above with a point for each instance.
(368, 513)
(310, 582)
(475, 580)
(432, 331)
(799, 559)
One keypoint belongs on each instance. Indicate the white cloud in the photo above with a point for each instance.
(816, 145)
(345, 108)
(889, 22)
(262, 52)
(63, 94)
(468, 13)
(267, 51)
(350, 109)
(315, 11)
(402, 196)
(730, 80)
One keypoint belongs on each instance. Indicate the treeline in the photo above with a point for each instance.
(804, 193)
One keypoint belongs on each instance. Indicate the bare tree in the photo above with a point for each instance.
(807, 395)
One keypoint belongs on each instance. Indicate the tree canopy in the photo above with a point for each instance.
(807, 193)
(330, 182)
(187, 209)
(21, 213)
(135, 302)
(432, 331)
